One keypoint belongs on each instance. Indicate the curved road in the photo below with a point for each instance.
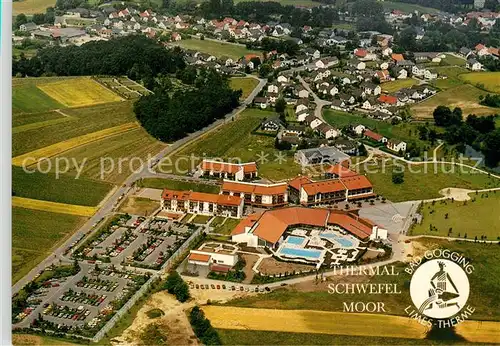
(107, 206)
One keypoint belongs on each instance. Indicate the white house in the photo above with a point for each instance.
(272, 88)
(396, 145)
(474, 65)
(282, 79)
(303, 93)
(359, 129)
(208, 258)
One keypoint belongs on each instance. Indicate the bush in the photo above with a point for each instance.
(175, 285)
(202, 327)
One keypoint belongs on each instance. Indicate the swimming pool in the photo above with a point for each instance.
(295, 240)
(341, 240)
(306, 253)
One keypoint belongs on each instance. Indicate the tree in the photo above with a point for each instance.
(176, 286)
(280, 105)
(20, 20)
(264, 70)
(398, 177)
(362, 150)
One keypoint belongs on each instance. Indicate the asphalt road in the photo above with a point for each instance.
(107, 206)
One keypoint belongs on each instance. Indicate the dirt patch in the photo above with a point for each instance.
(250, 262)
(174, 321)
(139, 206)
(456, 194)
(270, 266)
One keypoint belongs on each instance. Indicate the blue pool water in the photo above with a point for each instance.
(342, 241)
(307, 253)
(294, 240)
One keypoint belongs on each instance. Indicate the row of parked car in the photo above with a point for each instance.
(82, 297)
(104, 286)
(66, 312)
(229, 288)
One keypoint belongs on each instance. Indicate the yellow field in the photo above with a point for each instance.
(31, 6)
(32, 157)
(53, 207)
(490, 80)
(480, 331)
(308, 321)
(79, 92)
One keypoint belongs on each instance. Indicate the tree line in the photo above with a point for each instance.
(480, 132)
(170, 116)
(114, 57)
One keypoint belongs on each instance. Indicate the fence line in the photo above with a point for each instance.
(165, 267)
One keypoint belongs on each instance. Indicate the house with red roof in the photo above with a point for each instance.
(201, 203)
(388, 99)
(227, 170)
(374, 136)
(397, 57)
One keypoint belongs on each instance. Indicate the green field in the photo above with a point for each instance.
(397, 85)
(235, 140)
(226, 228)
(62, 189)
(217, 49)
(22, 119)
(158, 183)
(473, 217)
(302, 3)
(30, 99)
(452, 73)
(88, 119)
(463, 96)
(408, 8)
(422, 181)
(245, 84)
(487, 80)
(452, 60)
(484, 281)
(103, 156)
(201, 219)
(34, 234)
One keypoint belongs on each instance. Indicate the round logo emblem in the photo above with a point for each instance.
(439, 288)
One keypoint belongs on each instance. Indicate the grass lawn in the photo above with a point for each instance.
(34, 234)
(408, 8)
(30, 99)
(157, 183)
(422, 181)
(245, 84)
(31, 6)
(139, 206)
(488, 80)
(227, 227)
(62, 189)
(473, 217)
(201, 219)
(186, 218)
(452, 73)
(217, 49)
(79, 92)
(235, 141)
(399, 84)
(452, 60)
(28, 339)
(463, 96)
(88, 119)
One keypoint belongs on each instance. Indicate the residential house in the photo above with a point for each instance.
(303, 93)
(312, 121)
(370, 88)
(261, 102)
(256, 194)
(324, 154)
(272, 88)
(359, 129)
(396, 145)
(327, 131)
(302, 114)
(271, 124)
(473, 64)
(27, 27)
(374, 136)
(227, 170)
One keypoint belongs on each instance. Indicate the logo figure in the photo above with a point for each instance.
(439, 288)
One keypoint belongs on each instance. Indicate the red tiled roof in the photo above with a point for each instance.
(373, 135)
(356, 182)
(397, 57)
(297, 182)
(324, 186)
(173, 194)
(249, 221)
(219, 166)
(201, 197)
(388, 99)
(351, 223)
(361, 53)
(260, 189)
(199, 257)
(229, 200)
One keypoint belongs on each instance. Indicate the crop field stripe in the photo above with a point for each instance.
(53, 207)
(40, 124)
(480, 331)
(79, 92)
(61, 147)
(309, 321)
